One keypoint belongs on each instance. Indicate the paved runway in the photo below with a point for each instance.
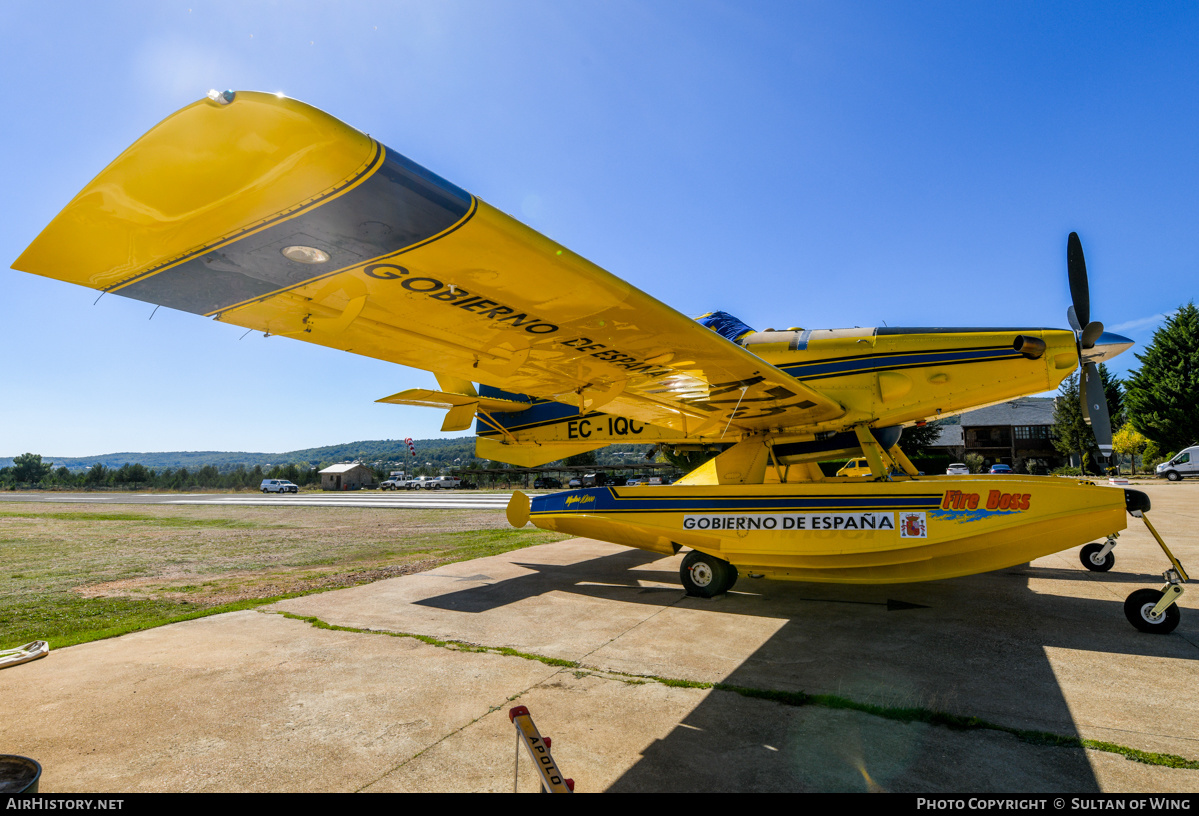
(394, 500)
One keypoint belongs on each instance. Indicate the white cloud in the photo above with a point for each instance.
(1142, 323)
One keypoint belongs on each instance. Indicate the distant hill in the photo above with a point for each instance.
(381, 450)
(383, 453)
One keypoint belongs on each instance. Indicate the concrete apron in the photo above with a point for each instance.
(258, 701)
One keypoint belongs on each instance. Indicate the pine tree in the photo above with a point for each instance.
(1162, 397)
(29, 468)
(1113, 389)
(1071, 433)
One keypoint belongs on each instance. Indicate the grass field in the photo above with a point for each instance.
(89, 572)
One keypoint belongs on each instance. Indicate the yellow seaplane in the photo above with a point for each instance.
(261, 211)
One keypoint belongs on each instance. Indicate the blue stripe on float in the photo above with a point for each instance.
(606, 500)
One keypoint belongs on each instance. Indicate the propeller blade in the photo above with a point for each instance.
(1082, 393)
(1076, 268)
(1090, 334)
(1095, 407)
(1073, 318)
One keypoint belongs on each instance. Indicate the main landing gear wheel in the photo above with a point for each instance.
(706, 576)
(1138, 609)
(1092, 560)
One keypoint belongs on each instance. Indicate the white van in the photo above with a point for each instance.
(1186, 463)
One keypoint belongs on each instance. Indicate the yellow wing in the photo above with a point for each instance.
(267, 213)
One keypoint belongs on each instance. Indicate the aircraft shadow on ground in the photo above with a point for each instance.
(610, 577)
(1153, 579)
(972, 646)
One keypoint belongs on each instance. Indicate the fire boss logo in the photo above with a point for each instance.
(996, 500)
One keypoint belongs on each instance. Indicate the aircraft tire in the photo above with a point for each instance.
(1087, 557)
(706, 576)
(1140, 603)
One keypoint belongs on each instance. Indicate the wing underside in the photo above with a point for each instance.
(269, 214)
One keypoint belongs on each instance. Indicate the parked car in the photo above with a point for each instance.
(1001, 470)
(278, 486)
(393, 484)
(1186, 463)
(957, 469)
(442, 483)
(855, 468)
(575, 482)
(546, 483)
(635, 481)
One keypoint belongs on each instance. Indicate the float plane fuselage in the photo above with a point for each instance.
(264, 212)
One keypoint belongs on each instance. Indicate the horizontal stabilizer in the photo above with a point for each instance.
(528, 454)
(461, 407)
(427, 398)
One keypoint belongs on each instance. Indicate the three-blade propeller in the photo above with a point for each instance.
(1087, 333)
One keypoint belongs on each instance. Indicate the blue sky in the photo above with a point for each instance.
(820, 164)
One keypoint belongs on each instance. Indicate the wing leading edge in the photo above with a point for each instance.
(269, 214)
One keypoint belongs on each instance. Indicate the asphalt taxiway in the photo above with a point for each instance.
(396, 500)
(594, 639)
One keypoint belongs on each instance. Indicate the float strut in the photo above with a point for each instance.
(1175, 577)
(1181, 573)
(1107, 547)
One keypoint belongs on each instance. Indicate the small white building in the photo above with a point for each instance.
(347, 477)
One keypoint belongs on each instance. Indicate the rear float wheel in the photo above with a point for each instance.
(1139, 607)
(706, 576)
(1093, 561)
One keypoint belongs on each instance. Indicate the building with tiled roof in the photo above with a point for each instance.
(1017, 433)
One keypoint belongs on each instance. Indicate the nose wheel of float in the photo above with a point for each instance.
(1141, 609)
(1149, 610)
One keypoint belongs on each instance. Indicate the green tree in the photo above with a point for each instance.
(1113, 389)
(30, 469)
(1071, 434)
(1162, 397)
(917, 439)
(1129, 442)
(96, 475)
(584, 459)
